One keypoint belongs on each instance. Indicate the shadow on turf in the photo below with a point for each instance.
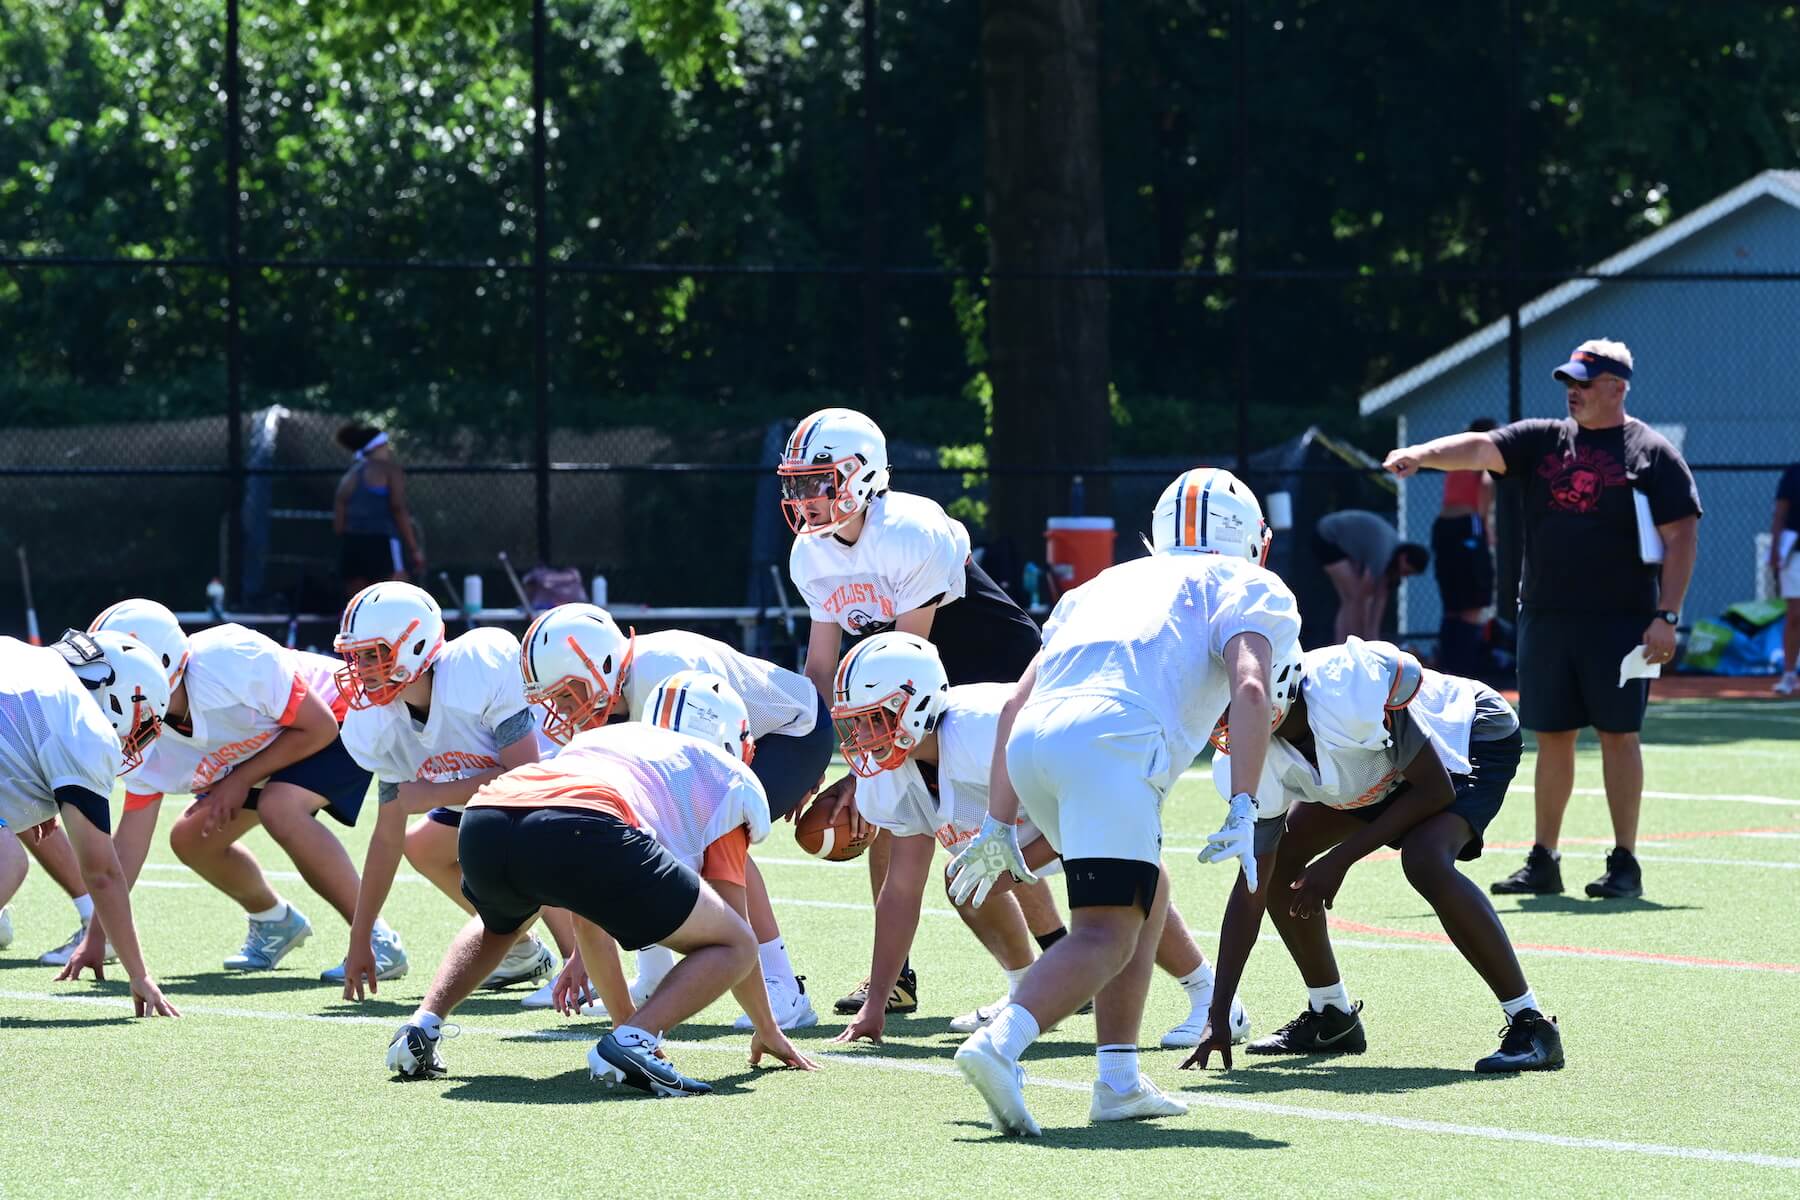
(1326, 1073)
(571, 1087)
(819, 1038)
(1586, 907)
(11, 1023)
(1126, 1135)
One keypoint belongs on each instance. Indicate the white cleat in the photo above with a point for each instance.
(981, 1018)
(1001, 1083)
(1189, 1032)
(792, 1008)
(6, 929)
(60, 956)
(541, 998)
(639, 994)
(527, 962)
(1142, 1102)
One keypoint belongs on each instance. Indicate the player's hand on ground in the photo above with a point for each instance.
(1210, 1043)
(1659, 642)
(91, 953)
(869, 1023)
(147, 1000)
(1401, 462)
(1316, 888)
(991, 853)
(781, 1050)
(572, 988)
(359, 964)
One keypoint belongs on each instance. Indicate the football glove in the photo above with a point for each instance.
(1237, 839)
(992, 852)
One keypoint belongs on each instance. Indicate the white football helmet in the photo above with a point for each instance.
(574, 661)
(127, 680)
(390, 635)
(891, 690)
(1208, 510)
(702, 705)
(155, 626)
(833, 465)
(1285, 666)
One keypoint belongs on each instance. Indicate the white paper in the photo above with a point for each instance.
(1636, 666)
(1650, 543)
(1785, 546)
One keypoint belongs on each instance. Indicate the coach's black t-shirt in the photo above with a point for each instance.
(1581, 546)
(1789, 489)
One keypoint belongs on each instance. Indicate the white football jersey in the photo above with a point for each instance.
(776, 699)
(899, 800)
(909, 552)
(243, 689)
(52, 735)
(476, 688)
(1149, 633)
(688, 793)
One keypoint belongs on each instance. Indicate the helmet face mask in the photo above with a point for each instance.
(889, 694)
(872, 737)
(390, 636)
(834, 464)
(590, 679)
(128, 681)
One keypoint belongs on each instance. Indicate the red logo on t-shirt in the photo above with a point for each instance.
(1578, 478)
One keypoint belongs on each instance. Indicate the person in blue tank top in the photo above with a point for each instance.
(376, 537)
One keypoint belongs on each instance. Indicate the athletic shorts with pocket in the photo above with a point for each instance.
(789, 768)
(1569, 670)
(1089, 772)
(330, 773)
(518, 860)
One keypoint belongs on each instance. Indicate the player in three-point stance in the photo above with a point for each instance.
(1137, 665)
(1379, 751)
(72, 715)
(641, 831)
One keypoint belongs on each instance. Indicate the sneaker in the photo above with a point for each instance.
(1787, 685)
(903, 999)
(413, 1054)
(1145, 1100)
(527, 961)
(60, 956)
(639, 994)
(6, 929)
(1333, 1031)
(1530, 1042)
(1540, 876)
(791, 1007)
(268, 942)
(981, 1018)
(390, 959)
(641, 1067)
(1190, 1031)
(542, 997)
(1624, 879)
(1001, 1083)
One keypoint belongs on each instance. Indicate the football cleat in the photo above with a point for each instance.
(1540, 876)
(639, 995)
(1001, 1082)
(1624, 879)
(1144, 1101)
(60, 956)
(413, 1054)
(792, 1008)
(541, 998)
(1530, 1042)
(6, 929)
(641, 1067)
(390, 959)
(903, 999)
(527, 961)
(1333, 1031)
(980, 1018)
(1190, 1031)
(268, 942)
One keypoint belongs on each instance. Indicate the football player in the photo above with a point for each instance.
(924, 753)
(72, 715)
(432, 721)
(1136, 667)
(641, 831)
(868, 559)
(583, 671)
(1378, 751)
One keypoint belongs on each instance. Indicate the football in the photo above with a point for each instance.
(822, 837)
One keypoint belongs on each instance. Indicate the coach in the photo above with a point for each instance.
(1587, 597)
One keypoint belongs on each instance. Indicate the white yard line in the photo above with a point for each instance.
(877, 1062)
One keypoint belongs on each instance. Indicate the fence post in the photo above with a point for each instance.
(1240, 86)
(540, 282)
(235, 578)
(871, 188)
(1507, 513)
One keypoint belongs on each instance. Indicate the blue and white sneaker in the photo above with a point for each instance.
(413, 1054)
(6, 929)
(527, 961)
(390, 959)
(60, 956)
(268, 942)
(641, 1067)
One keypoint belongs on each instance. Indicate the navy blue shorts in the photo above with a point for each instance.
(1569, 671)
(790, 767)
(330, 773)
(446, 816)
(1479, 794)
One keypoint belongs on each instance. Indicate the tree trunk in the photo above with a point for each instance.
(1047, 338)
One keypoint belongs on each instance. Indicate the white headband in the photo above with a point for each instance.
(374, 443)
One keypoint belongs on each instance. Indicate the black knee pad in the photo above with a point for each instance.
(1111, 882)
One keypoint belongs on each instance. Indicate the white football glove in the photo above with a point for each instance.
(1237, 839)
(992, 852)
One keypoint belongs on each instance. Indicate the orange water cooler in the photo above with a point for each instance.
(1077, 549)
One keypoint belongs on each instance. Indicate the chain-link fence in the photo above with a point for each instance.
(581, 327)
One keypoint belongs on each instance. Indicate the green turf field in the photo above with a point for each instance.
(1678, 1015)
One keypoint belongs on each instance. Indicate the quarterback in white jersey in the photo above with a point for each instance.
(432, 721)
(71, 716)
(1136, 668)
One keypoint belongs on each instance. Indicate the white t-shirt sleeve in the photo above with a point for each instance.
(803, 571)
(362, 736)
(488, 683)
(265, 677)
(82, 750)
(926, 557)
(1252, 601)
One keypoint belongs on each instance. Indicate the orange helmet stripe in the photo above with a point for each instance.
(1190, 512)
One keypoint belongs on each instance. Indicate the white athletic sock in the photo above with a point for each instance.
(631, 1035)
(382, 927)
(430, 1022)
(1335, 995)
(1012, 979)
(775, 963)
(1513, 1008)
(1199, 980)
(654, 962)
(272, 914)
(1012, 1031)
(1119, 1067)
(84, 905)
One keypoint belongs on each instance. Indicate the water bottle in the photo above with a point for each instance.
(1033, 580)
(597, 590)
(215, 599)
(1077, 497)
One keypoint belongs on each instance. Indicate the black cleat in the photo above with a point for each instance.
(1624, 879)
(1333, 1031)
(413, 1054)
(903, 999)
(1530, 1042)
(641, 1067)
(1540, 876)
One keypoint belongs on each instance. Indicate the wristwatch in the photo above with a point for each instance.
(1673, 618)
